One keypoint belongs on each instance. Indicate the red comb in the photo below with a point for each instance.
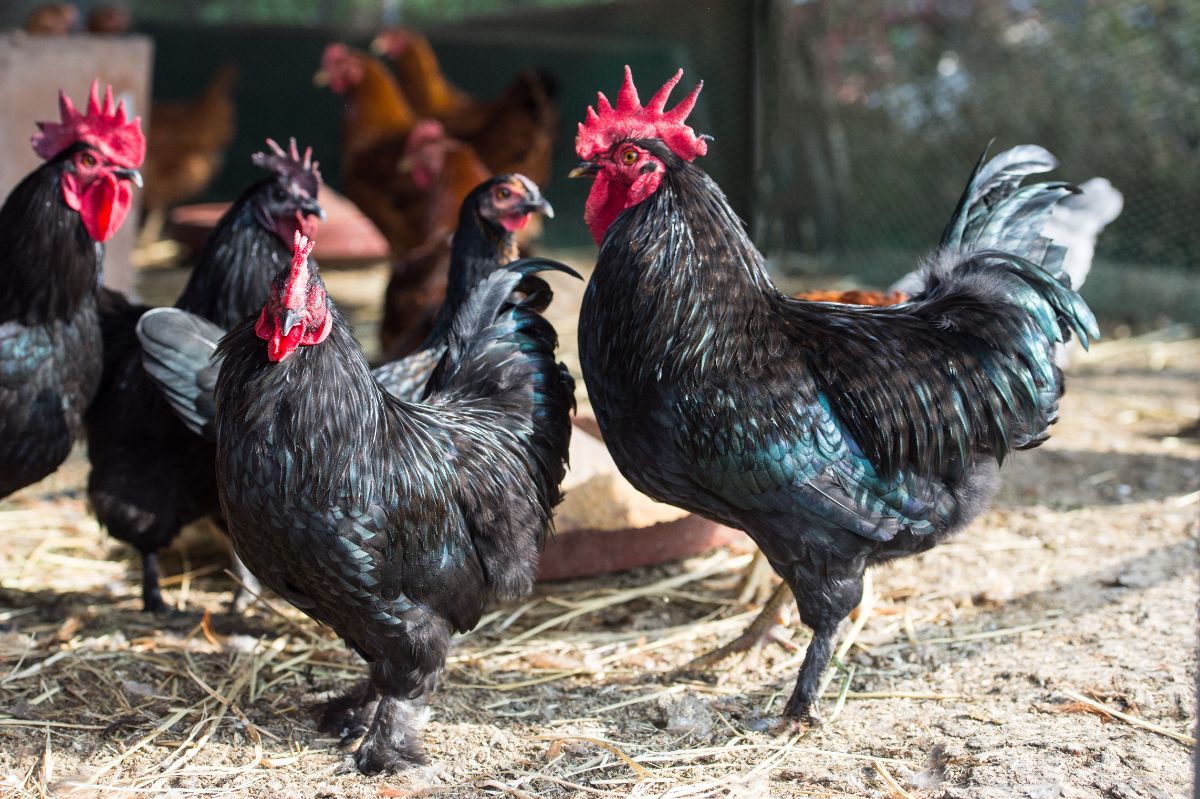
(335, 53)
(423, 133)
(104, 127)
(631, 120)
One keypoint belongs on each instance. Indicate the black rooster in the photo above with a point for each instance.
(484, 240)
(54, 222)
(150, 475)
(836, 436)
(395, 523)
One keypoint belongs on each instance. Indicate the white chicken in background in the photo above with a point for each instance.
(1075, 223)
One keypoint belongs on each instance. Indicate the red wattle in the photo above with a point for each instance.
(610, 196)
(604, 202)
(307, 225)
(103, 206)
(514, 223)
(280, 346)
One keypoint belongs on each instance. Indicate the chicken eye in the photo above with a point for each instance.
(503, 193)
(630, 157)
(88, 160)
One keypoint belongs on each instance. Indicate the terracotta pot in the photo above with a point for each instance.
(586, 553)
(345, 238)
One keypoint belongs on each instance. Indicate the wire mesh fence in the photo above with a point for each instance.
(873, 113)
(844, 129)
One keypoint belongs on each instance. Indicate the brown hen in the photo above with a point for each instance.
(186, 146)
(375, 127)
(446, 170)
(513, 133)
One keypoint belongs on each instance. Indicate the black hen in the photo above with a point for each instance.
(483, 241)
(836, 436)
(395, 523)
(150, 475)
(52, 224)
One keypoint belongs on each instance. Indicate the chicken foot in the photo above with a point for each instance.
(347, 716)
(393, 741)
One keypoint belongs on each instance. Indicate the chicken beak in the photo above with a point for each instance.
(584, 169)
(313, 208)
(378, 47)
(290, 320)
(129, 174)
(540, 205)
(320, 78)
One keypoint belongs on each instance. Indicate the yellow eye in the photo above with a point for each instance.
(88, 160)
(630, 157)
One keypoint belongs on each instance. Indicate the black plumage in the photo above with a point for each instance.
(482, 244)
(50, 351)
(836, 436)
(150, 474)
(394, 522)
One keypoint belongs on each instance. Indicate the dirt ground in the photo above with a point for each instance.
(1047, 652)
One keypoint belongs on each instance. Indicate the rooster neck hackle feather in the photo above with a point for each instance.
(51, 265)
(329, 428)
(233, 274)
(658, 283)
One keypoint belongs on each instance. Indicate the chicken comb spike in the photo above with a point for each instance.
(302, 172)
(627, 98)
(295, 292)
(105, 127)
(605, 125)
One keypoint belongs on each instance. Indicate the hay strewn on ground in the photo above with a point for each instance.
(1047, 652)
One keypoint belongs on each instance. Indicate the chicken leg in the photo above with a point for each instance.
(393, 740)
(152, 600)
(825, 595)
(761, 630)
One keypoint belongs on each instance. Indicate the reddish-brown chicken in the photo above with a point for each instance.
(186, 146)
(375, 128)
(513, 133)
(446, 170)
(421, 79)
(376, 108)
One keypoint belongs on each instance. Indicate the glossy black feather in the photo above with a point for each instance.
(836, 436)
(50, 352)
(480, 246)
(397, 523)
(151, 475)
